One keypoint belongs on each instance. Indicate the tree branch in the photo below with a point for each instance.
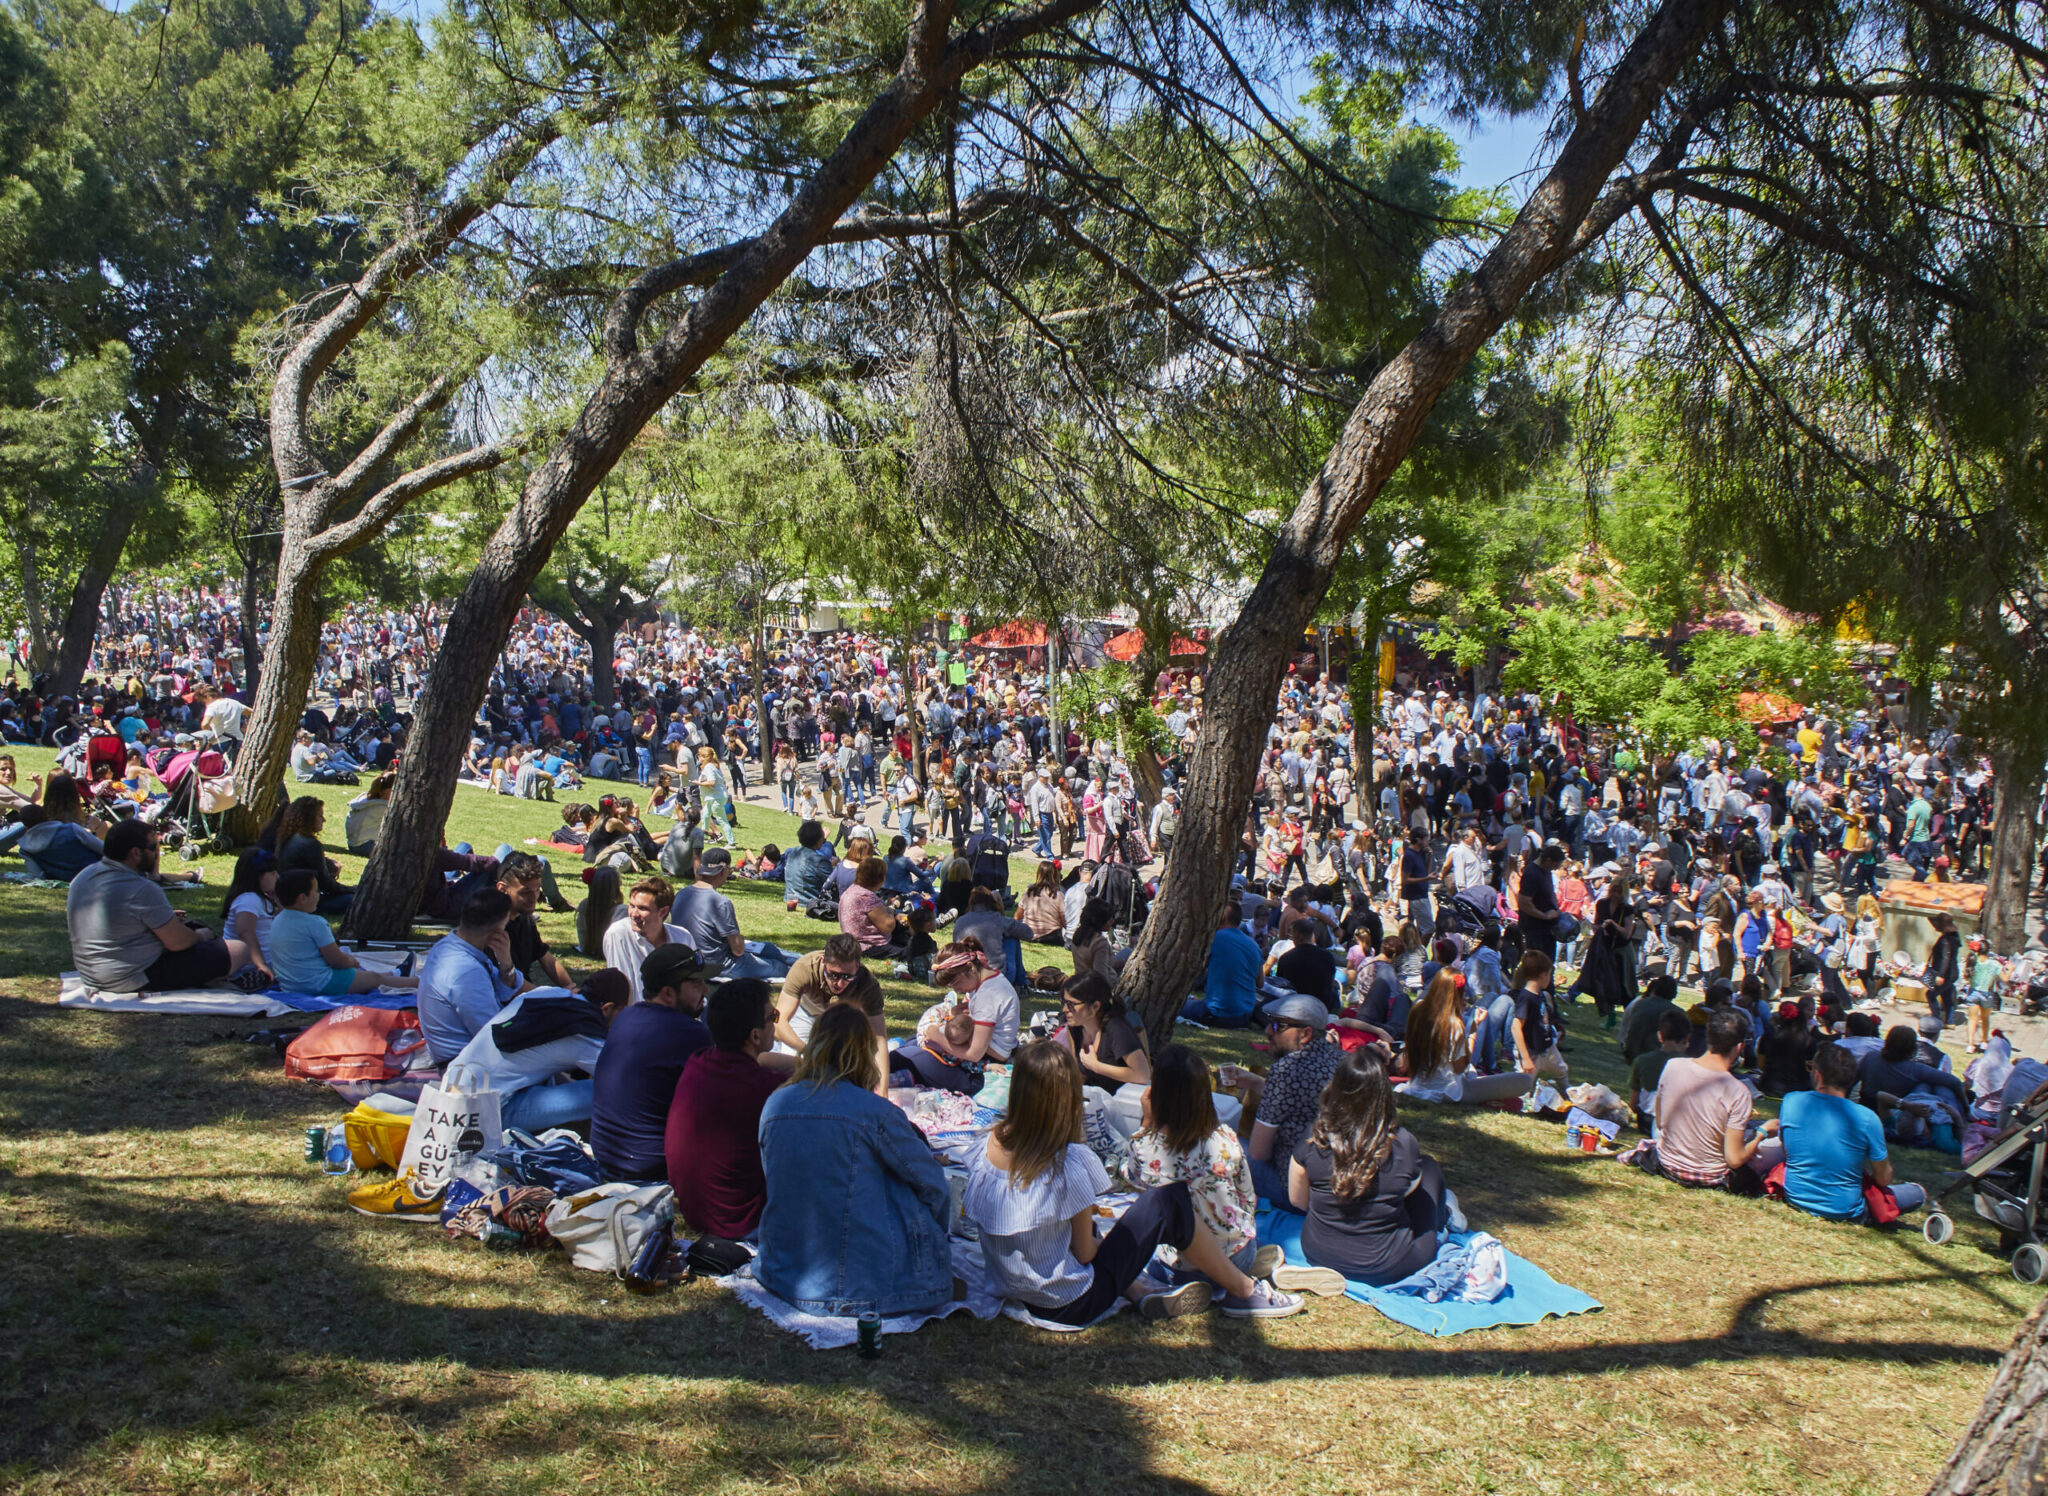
(384, 505)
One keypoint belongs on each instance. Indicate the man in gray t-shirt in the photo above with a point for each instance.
(707, 915)
(125, 936)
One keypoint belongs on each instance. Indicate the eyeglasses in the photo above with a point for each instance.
(836, 976)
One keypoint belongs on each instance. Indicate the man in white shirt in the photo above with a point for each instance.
(627, 941)
(1466, 866)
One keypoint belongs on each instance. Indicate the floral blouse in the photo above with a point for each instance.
(1218, 1175)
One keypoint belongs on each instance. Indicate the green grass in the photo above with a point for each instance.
(186, 1306)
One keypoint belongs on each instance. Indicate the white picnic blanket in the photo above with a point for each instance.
(823, 1332)
(205, 1002)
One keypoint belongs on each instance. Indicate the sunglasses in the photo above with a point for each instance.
(839, 976)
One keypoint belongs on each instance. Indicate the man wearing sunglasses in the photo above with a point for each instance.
(819, 979)
(1284, 1102)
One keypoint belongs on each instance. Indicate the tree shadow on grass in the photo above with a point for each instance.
(138, 1306)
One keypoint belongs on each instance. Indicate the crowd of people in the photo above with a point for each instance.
(1409, 891)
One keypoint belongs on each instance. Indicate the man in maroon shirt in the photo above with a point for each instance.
(713, 1139)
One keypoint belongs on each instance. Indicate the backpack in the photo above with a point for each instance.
(992, 863)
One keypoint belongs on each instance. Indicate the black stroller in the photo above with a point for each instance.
(2004, 1182)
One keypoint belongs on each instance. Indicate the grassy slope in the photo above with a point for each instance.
(186, 1306)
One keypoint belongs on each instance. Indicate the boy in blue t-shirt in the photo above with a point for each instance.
(1832, 1144)
(1230, 989)
(303, 952)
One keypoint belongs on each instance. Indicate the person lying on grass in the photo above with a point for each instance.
(303, 953)
(1031, 1189)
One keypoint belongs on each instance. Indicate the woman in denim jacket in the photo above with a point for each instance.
(857, 1207)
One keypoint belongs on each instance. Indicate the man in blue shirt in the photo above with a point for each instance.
(467, 976)
(1231, 987)
(805, 870)
(1832, 1145)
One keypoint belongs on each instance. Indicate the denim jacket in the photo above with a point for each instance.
(857, 1207)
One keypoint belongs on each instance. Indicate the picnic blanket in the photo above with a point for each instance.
(228, 1002)
(826, 1332)
(1532, 1294)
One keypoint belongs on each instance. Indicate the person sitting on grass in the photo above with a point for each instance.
(250, 904)
(1031, 1189)
(855, 1210)
(520, 876)
(467, 975)
(1786, 1050)
(305, 957)
(1703, 1114)
(1099, 1031)
(1230, 987)
(1374, 1200)
(713, 1143)
(805, 870)
(1919, 1103)
(991, 1000)
(1646, 1074)
(634, 1082)
(1642, 1020)
(125, 936)
(1438, 1051)
(1833, 1147)
(1283, 1102)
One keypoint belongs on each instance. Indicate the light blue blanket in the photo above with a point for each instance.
(1532, 1294)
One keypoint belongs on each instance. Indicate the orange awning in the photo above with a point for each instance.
(1020, 634)
(1767, 706)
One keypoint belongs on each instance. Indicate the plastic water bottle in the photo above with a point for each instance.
(337, 1159)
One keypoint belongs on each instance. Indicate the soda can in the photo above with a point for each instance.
(870, 1335)
(316, 1144)
(501, 1238)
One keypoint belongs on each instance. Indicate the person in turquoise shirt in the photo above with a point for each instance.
(1832, 1145)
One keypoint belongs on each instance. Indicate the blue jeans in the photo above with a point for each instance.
(1269, 1178)
(1490, 1027)
(643, 762)
(538, 1108)
(1918, 855)
(1045, 828)
(1196, 1010)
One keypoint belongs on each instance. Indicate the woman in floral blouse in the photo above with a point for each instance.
(1181, 1140)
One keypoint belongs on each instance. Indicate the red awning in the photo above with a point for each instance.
(1125, 646)
(1020, 634)
(1766, 706)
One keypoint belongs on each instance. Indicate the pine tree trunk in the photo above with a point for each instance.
(246, 623)
(2001, 1454)
(1565, 211)
(2014, 838)
(286, 679)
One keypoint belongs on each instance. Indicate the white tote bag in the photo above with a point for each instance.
(454, 1122)
(603, 1228)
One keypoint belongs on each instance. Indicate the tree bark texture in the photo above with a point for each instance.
(285, 679)
(637, 382)
(2001, 1454)
(2014, 837)
(1252, 653)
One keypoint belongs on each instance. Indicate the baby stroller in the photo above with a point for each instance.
(201, 795)
(2005, 1189)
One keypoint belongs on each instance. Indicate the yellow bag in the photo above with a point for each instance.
(375, 1138)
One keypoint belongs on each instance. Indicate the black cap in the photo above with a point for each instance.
(711, 859)
(666, 965)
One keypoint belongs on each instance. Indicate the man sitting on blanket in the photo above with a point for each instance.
(126, 937)
(713, 1143)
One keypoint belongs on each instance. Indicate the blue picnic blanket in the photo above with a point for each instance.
(306, 1002)
(1532, 1294)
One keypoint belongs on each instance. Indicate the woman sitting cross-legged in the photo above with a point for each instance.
(1031, 1188)
(1439, 1051)
(1181, 1141)
(1375, 1201)
(856, 1211)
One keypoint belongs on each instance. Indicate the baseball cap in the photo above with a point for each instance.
(666, 965)
(1300, 1010)
(714, 858)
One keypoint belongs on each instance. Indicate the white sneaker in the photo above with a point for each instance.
(1457, 1216)
(1323, 1282)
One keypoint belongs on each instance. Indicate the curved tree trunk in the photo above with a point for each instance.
(602, 635)
(2001, 1454)
(2014, 838)
(1566, 212)
(286, 679)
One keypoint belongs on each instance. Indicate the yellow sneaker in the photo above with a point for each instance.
(394, 1200)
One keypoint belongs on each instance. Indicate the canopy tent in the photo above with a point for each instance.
(1125, 646)
(1021, 633)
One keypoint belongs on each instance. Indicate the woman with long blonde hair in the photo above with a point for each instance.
(856, 1213)
(1438, 1051)
(1031, 1188)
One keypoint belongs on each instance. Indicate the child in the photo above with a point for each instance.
(303, 952)
(951, 1019)
(250, 906)
(1674, 1038)
(1986, 974)
(917, 958)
